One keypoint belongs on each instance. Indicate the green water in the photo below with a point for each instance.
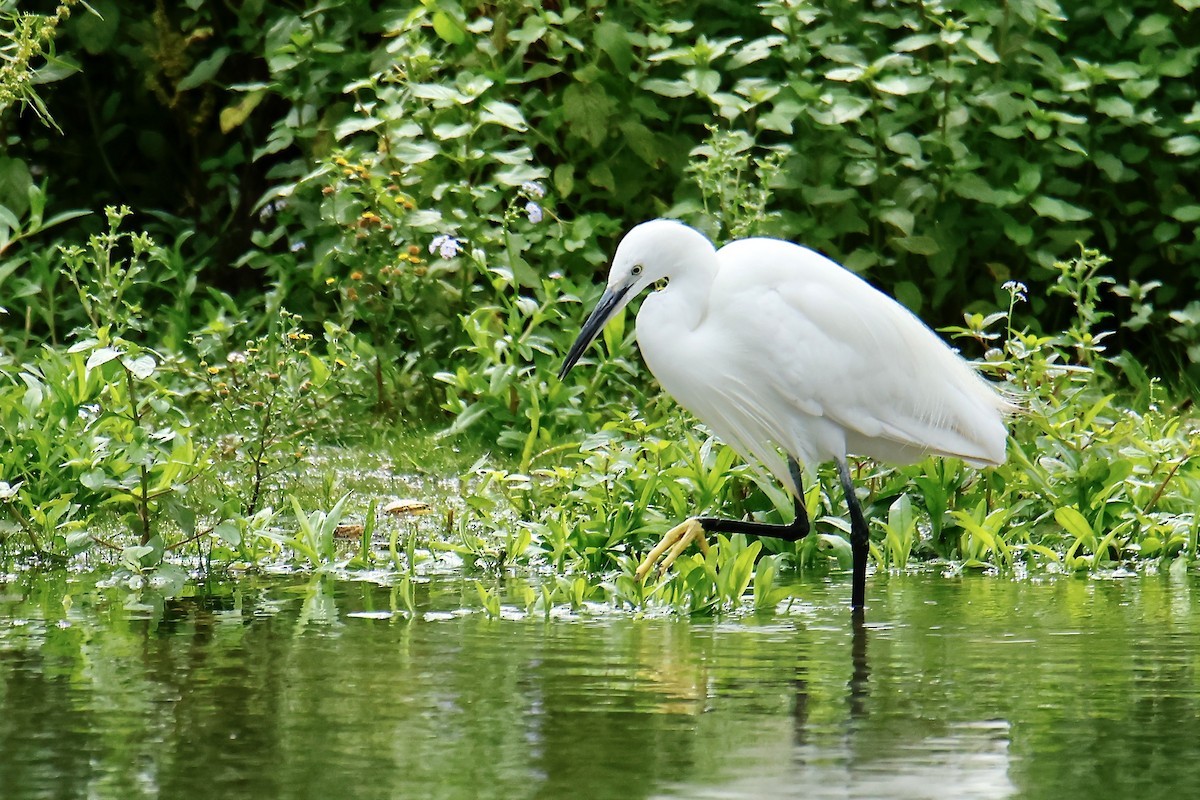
(979, 687)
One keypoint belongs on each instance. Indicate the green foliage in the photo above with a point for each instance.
(26, 41)
(405, 210)
(102, 431)
(100, 418)
(944, 148)
(265, 397)
(315, 538)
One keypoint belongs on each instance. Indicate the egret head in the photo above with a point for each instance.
(651, 252)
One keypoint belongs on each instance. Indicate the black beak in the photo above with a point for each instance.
(610, 301)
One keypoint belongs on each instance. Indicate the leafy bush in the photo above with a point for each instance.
(943, 148)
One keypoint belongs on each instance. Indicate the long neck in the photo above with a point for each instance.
(688, 290)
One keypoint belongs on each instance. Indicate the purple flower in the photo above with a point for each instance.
(534, 211)
(533, 189)
(445, 245)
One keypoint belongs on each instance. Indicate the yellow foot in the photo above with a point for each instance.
(673, 544)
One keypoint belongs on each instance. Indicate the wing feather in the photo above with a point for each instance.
(841, 351)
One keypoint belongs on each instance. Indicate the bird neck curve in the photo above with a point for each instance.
(689, 286)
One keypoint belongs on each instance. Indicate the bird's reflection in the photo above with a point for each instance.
(858, 685)
(861, 670)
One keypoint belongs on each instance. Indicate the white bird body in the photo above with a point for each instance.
(793, 360)
(848, 370)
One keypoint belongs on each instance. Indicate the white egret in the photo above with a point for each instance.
(791, 359)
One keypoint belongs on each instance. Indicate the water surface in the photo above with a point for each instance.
(299, 687)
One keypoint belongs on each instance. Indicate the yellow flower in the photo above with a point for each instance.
(355, 276)
(213, 370)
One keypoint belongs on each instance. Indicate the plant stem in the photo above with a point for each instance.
(143, 502)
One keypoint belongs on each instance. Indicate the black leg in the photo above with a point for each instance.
(859, 539)
(794, 531)
(801, 512)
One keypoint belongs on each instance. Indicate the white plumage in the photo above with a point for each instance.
(782, 352)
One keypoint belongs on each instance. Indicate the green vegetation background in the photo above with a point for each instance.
(228, 231)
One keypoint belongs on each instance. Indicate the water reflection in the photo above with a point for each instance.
(853, 759)
(307, 687)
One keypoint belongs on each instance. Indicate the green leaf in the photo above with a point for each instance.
(1110, 165)
(705, 81)
(982, 49)
(1183, 145)
(96, 31)
(643, 142)
(320, 372)
(919, 245)
(564, 179)
(204, 71)
(781, 116)
(183, 516)
(823, 195)
(233, 116)
(602, 175)
(845, 74)
(1153, 24)
(94, 479)
(1017, 233)
(15, 182)
(1074, 523)
(755, 50)
(668, 88)
(900, 218)
(613, 41)
(1187, 213)
(838, 547)
(973, 187)
(101, 356)
(847, 108)
(587, 109)
(142, 367)
(900, 514)
(448, 29)
(442, 96)
(1116, 107)
(904, 144)
(903, 84)
(228, 532)
(504, 114)
(917, 41)
(1060, 210)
